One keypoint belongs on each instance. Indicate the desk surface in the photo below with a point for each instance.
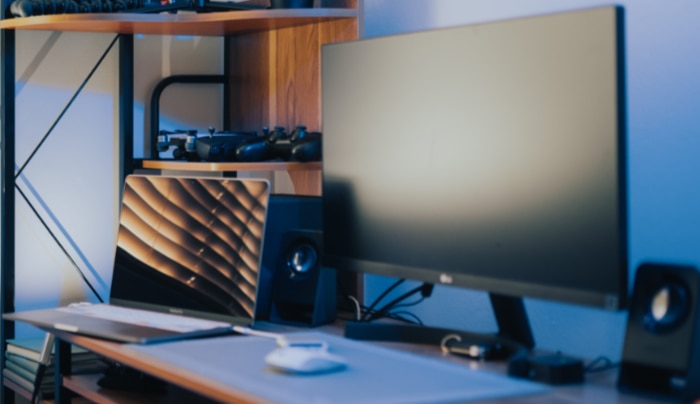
(599, 387)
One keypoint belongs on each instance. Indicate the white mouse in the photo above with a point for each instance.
(304, 360)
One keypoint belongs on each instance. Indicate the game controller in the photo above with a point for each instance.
(221, 146)
(307, 149)
(260, 148)
(300, 145)
(190, 146)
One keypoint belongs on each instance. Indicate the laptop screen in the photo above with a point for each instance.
(190, 246)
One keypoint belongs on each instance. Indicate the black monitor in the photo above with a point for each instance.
(488, 156)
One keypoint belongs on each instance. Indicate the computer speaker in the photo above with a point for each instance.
(294, 288)
(662, 342)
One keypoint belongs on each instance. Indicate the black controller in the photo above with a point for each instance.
(300, 145)
(221, 146)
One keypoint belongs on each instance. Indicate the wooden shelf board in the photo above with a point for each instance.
(182, 23)
(230, 167)
(87, 387)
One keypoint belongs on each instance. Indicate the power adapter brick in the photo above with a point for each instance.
(551, 369)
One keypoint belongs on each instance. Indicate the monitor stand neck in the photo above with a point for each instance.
(512, 319)
(514, 334)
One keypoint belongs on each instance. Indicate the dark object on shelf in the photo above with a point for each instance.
(300, 145)
(260, 149)
(121, 377)
(308, 149)
(158, 92)
(222, 146)
(291, 3)
(200, 6)
(28, 8)
(184, 142)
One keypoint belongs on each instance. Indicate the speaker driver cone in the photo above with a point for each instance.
(667, 308)
(302, 258)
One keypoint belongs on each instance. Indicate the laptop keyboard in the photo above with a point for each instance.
(164, 321)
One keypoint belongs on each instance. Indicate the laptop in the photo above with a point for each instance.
(187, 262)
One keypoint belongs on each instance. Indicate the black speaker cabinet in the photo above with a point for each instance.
(662, 342)
(294, 288)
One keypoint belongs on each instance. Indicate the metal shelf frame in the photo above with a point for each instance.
(9, 163)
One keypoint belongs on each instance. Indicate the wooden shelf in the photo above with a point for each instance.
(183, 23)
(230, 167)
(200, 390)
(306, 177)
(87, 387)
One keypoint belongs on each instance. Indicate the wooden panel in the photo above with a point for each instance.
(297, 78)
(306, 182)
(275, 80)
(276, 75)
(298, 66)
(249, 81)
(338, 31)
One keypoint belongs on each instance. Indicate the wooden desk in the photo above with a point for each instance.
(188, 386)
(194, 385)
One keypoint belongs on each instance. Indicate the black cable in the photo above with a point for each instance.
(394, 303)
(381, 296)
(409, 304)
(367, 312)
(399, 315)
(387, 307)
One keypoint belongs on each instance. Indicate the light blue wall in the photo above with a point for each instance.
(69, 180)
(663, 73)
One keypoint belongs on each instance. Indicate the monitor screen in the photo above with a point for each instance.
(488, 156)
